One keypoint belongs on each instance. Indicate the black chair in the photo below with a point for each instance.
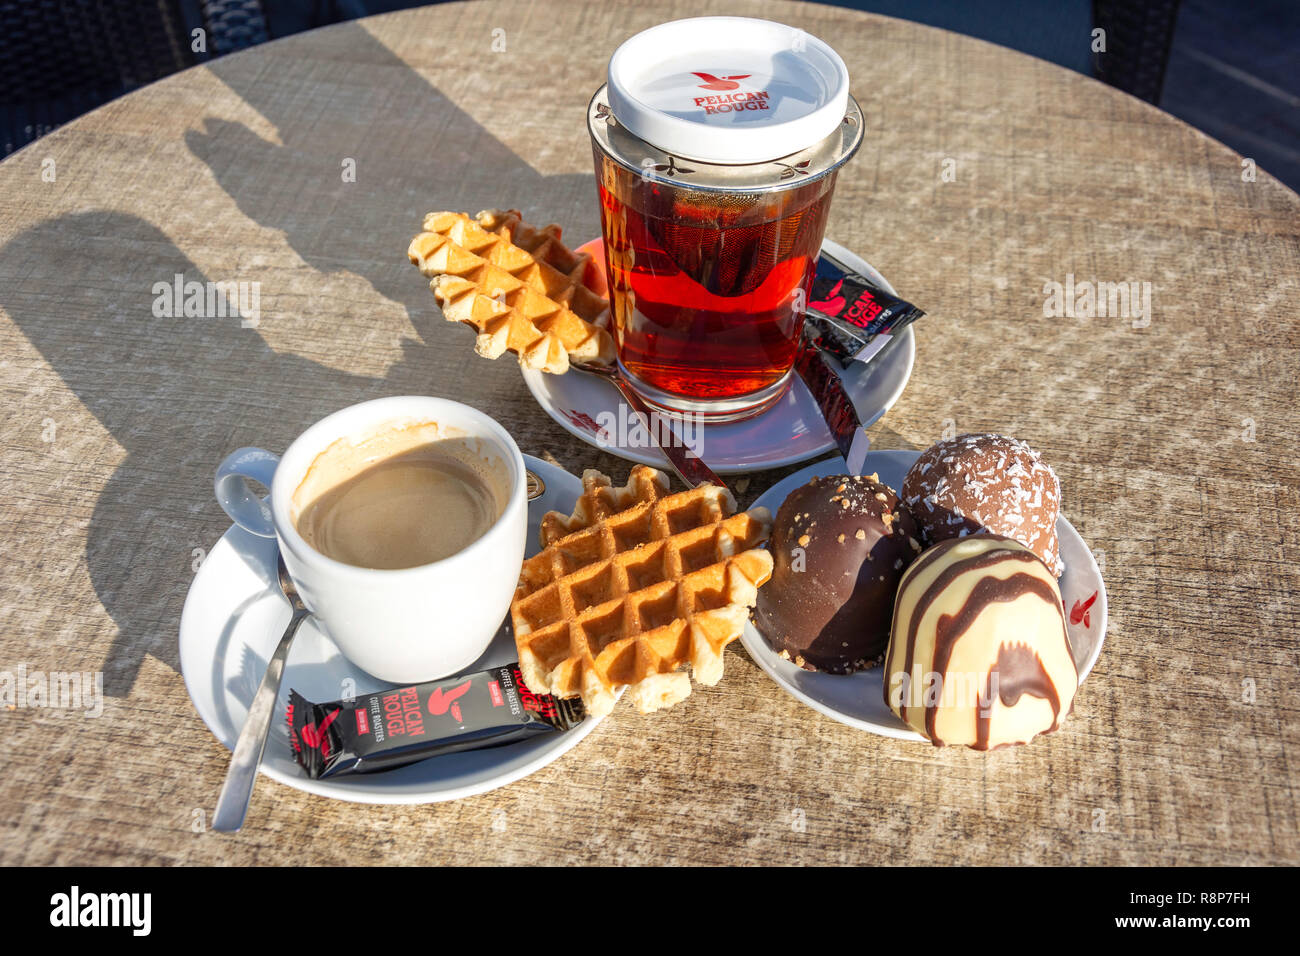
(60, 58)
(1139, 34)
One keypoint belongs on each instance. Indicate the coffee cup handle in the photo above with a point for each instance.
(237, 499)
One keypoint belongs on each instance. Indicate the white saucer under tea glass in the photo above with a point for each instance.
(791, 431)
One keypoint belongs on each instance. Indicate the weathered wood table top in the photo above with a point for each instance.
(985, 177)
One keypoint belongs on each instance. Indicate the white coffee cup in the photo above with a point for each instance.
(408, 625)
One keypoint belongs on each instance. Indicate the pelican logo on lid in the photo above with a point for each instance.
(731, 91)
(720, 83)
(729, 97)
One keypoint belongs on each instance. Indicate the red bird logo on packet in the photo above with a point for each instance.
(314, 736)
(833, 304)
(441, 702)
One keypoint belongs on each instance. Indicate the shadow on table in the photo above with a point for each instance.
(364, 226)
(175, 393)
(178, 393)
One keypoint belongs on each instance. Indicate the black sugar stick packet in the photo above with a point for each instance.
(391, 728)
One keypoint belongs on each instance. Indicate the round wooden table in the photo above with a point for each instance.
(986, 177)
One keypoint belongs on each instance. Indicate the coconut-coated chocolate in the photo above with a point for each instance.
(986, 483)
(839, 546)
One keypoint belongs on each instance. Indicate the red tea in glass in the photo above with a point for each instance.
(710, 260)
(712, 284)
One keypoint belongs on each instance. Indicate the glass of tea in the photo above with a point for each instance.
(716, 142)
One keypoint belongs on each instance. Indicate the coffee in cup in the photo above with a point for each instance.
(402, 522)
(398, 498)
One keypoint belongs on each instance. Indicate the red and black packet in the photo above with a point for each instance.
(390, 728)
(851, 317)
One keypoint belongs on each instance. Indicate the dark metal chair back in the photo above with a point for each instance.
(60, 58)
(1139, 34)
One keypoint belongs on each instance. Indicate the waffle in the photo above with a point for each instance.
(519, 286)
(634, 584)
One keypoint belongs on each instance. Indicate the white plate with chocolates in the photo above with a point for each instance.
(938, 574)
(789, 432)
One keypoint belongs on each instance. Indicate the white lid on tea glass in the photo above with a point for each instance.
(728, 89)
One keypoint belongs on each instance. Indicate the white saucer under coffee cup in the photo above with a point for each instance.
(412, 624)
